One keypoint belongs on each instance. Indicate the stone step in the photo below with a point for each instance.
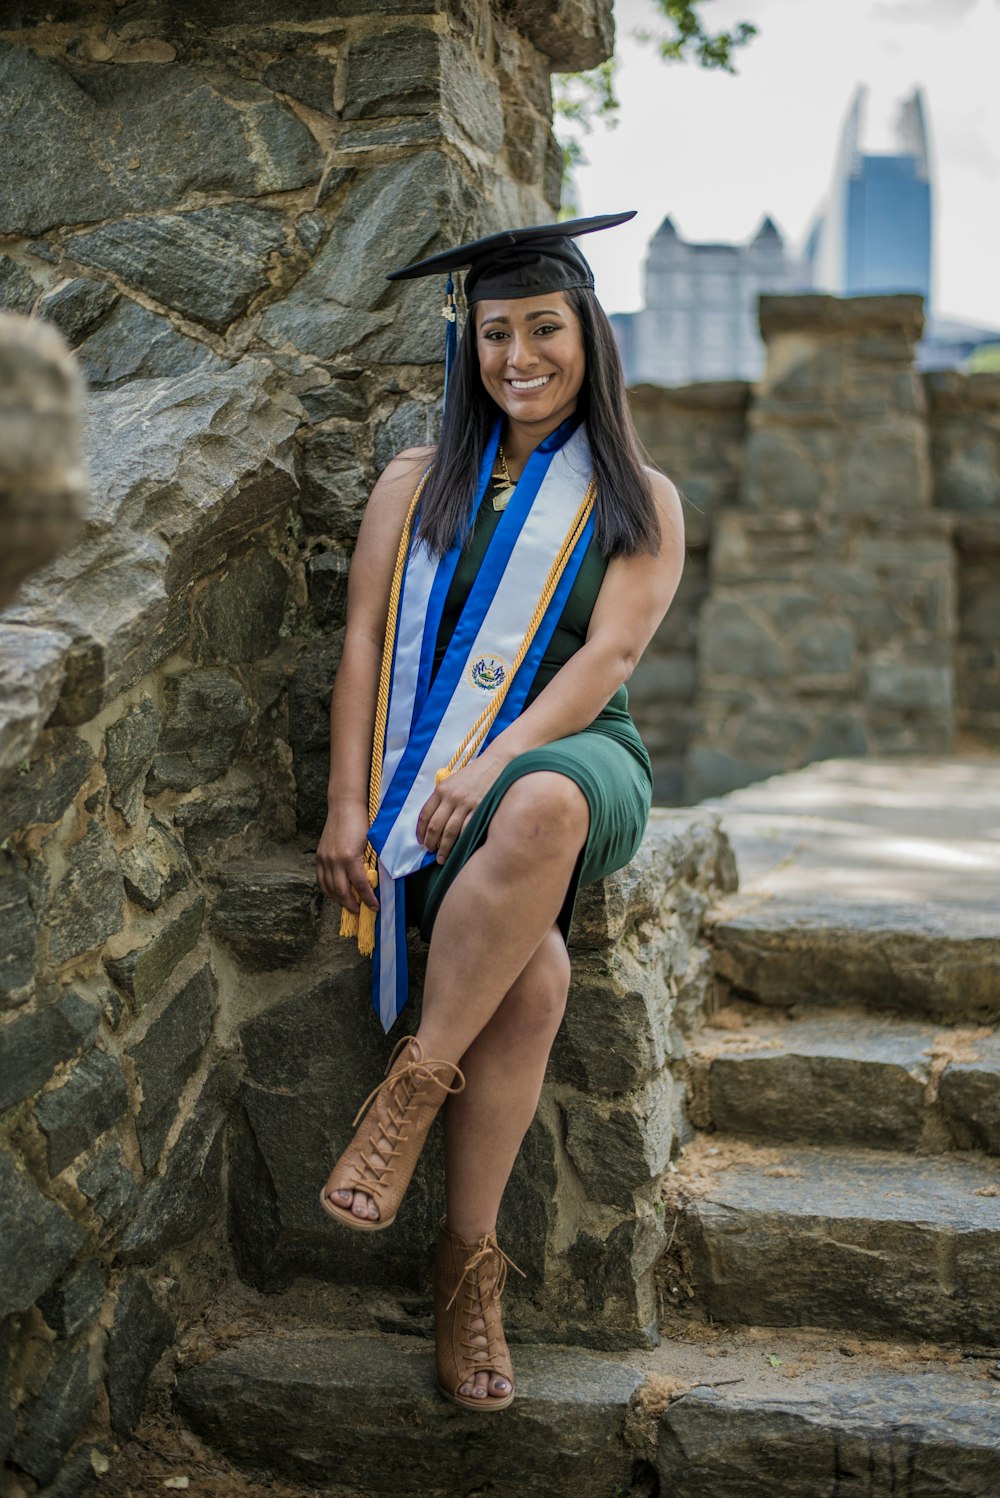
(362, 1414)
(806, 1236)
(940, 962)
(928, 1436)
(847, 1078)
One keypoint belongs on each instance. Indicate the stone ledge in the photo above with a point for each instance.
(821, 313)
(306, 1405)
(737, 1445)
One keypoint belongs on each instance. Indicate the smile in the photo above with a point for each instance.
(535, 384)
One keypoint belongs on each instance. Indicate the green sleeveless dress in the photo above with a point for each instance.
(607, 760)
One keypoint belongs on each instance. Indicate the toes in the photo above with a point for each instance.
(499, 1386)
(343, 1196)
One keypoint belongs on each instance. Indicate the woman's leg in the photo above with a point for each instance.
(496, 914)
(484, 1125)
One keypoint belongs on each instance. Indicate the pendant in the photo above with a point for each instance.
(501, 497)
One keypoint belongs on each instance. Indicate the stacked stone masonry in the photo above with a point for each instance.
(840, 596)
(201, 202)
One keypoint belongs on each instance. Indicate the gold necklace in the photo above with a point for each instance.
(501, 498)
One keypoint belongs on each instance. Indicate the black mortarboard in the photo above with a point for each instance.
(518, 262)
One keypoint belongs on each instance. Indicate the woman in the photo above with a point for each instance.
(535, 519)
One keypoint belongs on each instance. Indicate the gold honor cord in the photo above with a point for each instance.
(364, 928)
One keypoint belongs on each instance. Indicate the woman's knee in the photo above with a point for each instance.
(542, 813)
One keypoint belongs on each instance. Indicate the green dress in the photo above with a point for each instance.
(607, 760)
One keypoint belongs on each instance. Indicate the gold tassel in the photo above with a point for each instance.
(363, 926)
(441, 775)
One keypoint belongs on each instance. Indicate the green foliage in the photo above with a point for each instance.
(983, 360)
(688, 37)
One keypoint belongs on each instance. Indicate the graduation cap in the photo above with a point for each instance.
(513, 263)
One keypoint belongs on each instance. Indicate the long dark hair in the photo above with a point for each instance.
(625, 517)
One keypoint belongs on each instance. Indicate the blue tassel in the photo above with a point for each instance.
(450, 313)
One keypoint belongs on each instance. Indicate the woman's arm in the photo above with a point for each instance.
(635, 595)
(340, 853)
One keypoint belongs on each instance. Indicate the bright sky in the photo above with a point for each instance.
(717, 151)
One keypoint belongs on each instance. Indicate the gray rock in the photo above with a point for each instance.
(182, 470)
(843, 1080)
(413, 424)
(207, 264)
(225, 813)
(76, 1477)
(268, 917)
(394, 72)
(385, 220)
(140, 1334)
(943, 1436)
(18, 288)
(37, 1239)
(970, 1097)
(908, 688)
(909, 958)
(779, 473)
(621, 1144)
(86, 906)
(77, 307)
(310, 79)
(612, 1296)
(54, 1419)
(76, 1114)
(326, 577)
(563, 1433)
(343, 398)
(133, 343)
(75, 1301)
(46, 781)
(33, 1045)
(736, 643)
(191, 134)
(32, 672)
(188, 1191)
(334, 490)
(887, 464)
(309, 729)
(238, 616)
(156, 868)
(168, 1055)
(207, 713)
(143, 973)
(783, 1250)
(110, 1187)
(574, 35)
(130, 744)
(18, 934)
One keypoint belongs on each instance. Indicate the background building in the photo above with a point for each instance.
(699, 321)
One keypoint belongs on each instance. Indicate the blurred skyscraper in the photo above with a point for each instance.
(874, 235)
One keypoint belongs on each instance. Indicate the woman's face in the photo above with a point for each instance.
(531, 357)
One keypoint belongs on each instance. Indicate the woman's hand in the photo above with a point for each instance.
(453, 803)
(340, 858)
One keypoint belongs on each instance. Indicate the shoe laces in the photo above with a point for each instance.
(400, 1088)
(487, 1248)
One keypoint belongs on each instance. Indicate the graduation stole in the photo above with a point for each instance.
(428, 723)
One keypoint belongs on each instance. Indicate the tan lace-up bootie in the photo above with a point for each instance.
(468, 1282)
(383, 1154)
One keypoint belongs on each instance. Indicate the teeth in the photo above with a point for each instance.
(530, 384)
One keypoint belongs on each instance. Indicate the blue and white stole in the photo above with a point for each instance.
(431, 713)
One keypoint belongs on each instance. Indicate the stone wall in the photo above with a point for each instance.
(841, 586)
(205, 208)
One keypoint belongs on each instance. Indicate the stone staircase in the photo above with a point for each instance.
(830, 1289)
